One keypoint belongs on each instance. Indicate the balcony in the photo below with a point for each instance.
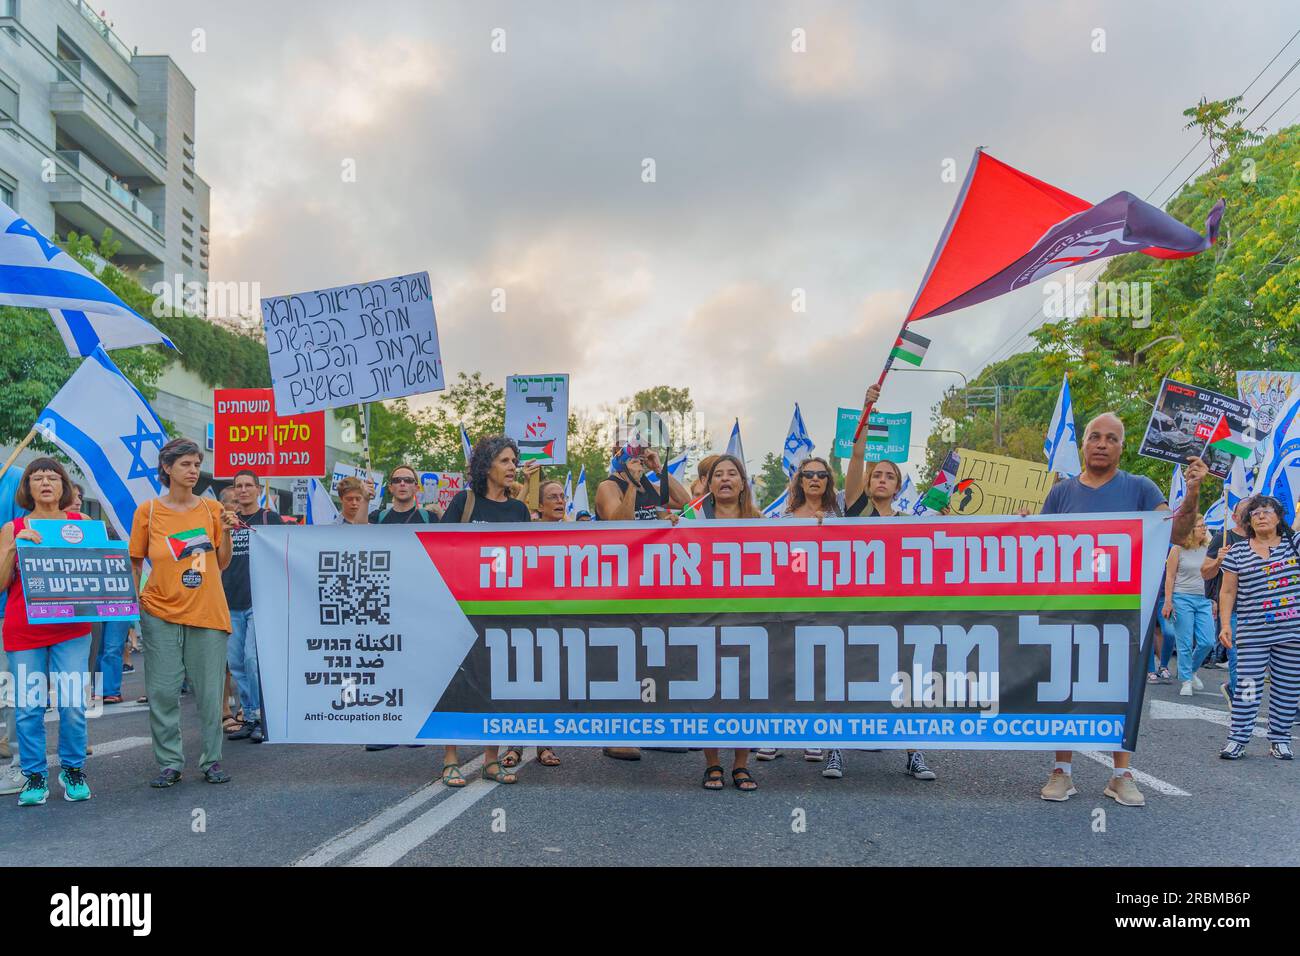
(96, 117)
(89, 199)
(102, 28)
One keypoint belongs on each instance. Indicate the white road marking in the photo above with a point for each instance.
(109, 710)
(1170, 710)
(1155, 783)
(354, 837)
(107, 748)
(402, 841)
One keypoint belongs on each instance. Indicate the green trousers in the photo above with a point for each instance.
(172, 651)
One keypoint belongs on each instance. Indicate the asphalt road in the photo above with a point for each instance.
(342, 806)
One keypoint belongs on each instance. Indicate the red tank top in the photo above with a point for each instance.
(19, 633)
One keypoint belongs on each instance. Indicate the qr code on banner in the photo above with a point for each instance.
(353, 587)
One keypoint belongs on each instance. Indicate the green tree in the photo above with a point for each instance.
(770, 480)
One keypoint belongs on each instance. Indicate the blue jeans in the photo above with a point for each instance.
(1193, 625)
(241, 656)
(109, 663)
(1232, 657)
(63, 665)
(1166, 644)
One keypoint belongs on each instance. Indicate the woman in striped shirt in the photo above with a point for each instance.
(1261, 582)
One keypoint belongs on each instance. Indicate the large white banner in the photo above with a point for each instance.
(1267, 393)
(353, 343)
(537, 417)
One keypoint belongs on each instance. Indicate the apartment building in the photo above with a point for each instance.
(94, 135)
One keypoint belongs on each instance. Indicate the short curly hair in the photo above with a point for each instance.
(480, 461)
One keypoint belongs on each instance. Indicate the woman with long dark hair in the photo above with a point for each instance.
(493, 465)
(54, 653)
(729, 497)
(1261, 582)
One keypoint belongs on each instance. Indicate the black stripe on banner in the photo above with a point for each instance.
(910, 336)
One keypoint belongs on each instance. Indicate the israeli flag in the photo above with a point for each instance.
(320, 506)
(1177, 488)
(736, 449)
(778, 506)
(677, 468)
(906, 500)
(568, 497)
(37, 274)
(465, 445)
(1279, 470)
(1238, 486)
(103, 423)
(580, 493)
(1215, 516)
(798, 445)
(1061, 446)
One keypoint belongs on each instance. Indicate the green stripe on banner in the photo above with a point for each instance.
(1001, 602)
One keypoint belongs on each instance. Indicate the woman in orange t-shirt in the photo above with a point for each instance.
(184, 619)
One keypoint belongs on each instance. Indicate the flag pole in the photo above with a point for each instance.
(17, 451)
(365, 435)
(880, 383)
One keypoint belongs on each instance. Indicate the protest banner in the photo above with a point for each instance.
(989, 484)
(895, 447)
(1181, 423)
(537, 417)
(954, 633)
(1267, 394)
(439, 487)
(76, 574)
(352, 344)
(249, 434)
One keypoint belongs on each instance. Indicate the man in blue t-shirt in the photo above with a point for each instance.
(1100, 489)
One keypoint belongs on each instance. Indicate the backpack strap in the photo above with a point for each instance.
(383, 515)
(469, 506)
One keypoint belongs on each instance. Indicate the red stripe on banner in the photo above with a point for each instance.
(772, 560)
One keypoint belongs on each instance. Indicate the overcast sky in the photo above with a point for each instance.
(775, 170)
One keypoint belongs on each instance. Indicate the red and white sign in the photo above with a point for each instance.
(250, 435)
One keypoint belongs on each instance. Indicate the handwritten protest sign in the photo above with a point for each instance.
(352, 343)
(342, 471)
(1267, 394)
(537, 417)
(1181, 422)
(76, 574)
(996, 485)
(248, 434)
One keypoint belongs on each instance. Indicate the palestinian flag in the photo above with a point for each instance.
(694, 511)
(910, 347)
(185, 543)
(877, 431)
(945, 482)
(1228, 441)
(537, 450)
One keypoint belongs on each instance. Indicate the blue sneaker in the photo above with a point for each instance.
(73, 781)
(36, 792)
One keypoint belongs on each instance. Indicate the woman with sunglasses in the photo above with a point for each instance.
(1261, 582)
(811, 494)
(551, 509)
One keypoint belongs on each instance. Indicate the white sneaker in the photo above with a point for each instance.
(1197, 683)
(11, 779)
(768, 753)
(1186, 689)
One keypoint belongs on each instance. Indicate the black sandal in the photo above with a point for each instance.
(512, 758)
(741, 776)
(712, 782)
(547, 757)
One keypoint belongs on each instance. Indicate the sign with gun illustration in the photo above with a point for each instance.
(537, 417)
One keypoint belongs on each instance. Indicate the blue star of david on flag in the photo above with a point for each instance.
(21, 227)
(135, 444)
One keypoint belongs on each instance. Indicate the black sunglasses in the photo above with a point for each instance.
(823, 475)
(403, 480)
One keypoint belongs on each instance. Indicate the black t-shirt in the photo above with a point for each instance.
(485, 509)
(416, 515)
(648, 500)
(239, 594)
(1216, 545)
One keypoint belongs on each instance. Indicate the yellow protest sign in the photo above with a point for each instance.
(990, 484)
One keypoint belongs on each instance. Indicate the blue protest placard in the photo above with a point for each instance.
(76, 574)
(889, 434)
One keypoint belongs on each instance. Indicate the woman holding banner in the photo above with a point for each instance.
(45, 655)
(552, 502)
(184, 618)
(882, 485)
(729, 497)
(493, 465)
